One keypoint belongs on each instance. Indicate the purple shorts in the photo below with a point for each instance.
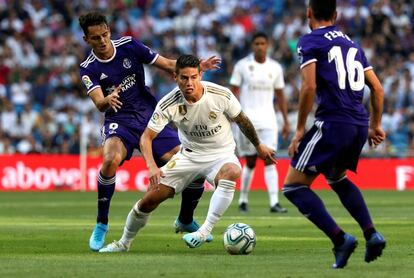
(329, 146)
(130, 135)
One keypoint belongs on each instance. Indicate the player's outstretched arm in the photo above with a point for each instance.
(376, 134)
(145, 144)
(104, 103)
(249, 131)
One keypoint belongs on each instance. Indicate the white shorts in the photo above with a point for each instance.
(180, 171)
(267, 136)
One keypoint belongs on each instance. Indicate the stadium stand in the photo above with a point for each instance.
(44, 108)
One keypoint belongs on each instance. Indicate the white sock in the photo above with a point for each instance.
(135, 221)
(246, 180)
(220, 201)
(272, 183)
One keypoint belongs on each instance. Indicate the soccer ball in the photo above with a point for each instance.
(239, 239)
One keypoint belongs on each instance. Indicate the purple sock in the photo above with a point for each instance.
(310, 205)
(106, 188)
(353, 201)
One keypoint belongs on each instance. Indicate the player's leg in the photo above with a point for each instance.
(224, 173)
(245, 182)
(165, 145)
(269, 137)
(114, 152)
(312, 155)
(297, 190)
(138, 217)
(245, 149)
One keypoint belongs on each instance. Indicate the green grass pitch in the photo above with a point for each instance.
(46, 235)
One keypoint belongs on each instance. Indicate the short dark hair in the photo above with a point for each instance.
(323, 9)
(91, 19)
(260, 34)
(187, 60)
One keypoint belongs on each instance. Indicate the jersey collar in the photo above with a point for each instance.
(108, 60)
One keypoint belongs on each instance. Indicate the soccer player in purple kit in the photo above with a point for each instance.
(335, 70)
(113, 75)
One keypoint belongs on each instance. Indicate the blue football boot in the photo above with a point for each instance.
(374, 247)
(343, 252)
(194, 240)
(97, 239)
(189, 228)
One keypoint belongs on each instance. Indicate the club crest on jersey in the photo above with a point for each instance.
(251, 67)
(212, 116)
(87, 81)
(171, 164)
(127, 63)
(182, 109)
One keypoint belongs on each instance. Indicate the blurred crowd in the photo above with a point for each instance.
(44, 107)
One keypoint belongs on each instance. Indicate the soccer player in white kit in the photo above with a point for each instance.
(256, 79)
(201, 112)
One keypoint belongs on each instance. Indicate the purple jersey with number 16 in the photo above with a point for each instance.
(125, 68)
(341, 64)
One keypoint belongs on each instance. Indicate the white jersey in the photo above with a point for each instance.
(203, 127)
(257, 82)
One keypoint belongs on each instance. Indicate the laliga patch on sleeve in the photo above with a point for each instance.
(155, 117)
(87, 81)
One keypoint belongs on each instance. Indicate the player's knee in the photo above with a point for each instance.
(230, 172)
(111, 160)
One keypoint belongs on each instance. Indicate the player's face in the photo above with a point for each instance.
(259, 47)
(99, 39)
(189, 81)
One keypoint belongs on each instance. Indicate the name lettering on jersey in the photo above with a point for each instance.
(202, 131)
(87, 81)
(128, 82)
(259, 87)
(103, 76)
(336, 34)
(127, 63)
(182, 109)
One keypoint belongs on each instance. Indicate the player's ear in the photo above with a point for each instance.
(335, 15)
(309, 13)
(175, 76)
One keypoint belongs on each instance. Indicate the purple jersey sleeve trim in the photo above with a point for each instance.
(93, 88)
(307, 63)
(155, 59)
(368, 68)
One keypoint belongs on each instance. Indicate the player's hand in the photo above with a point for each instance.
(266, 153)
(155, 175)
(212, 62)
(376, 136)
(294, 144)
(113, 99)
(285, 131)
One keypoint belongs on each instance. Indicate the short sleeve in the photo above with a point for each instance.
(145, 54)
(236, 76)
(364, 61)
(305, 51)
(234, 107)
(89, 79)
(279, 80)
(159, 120)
